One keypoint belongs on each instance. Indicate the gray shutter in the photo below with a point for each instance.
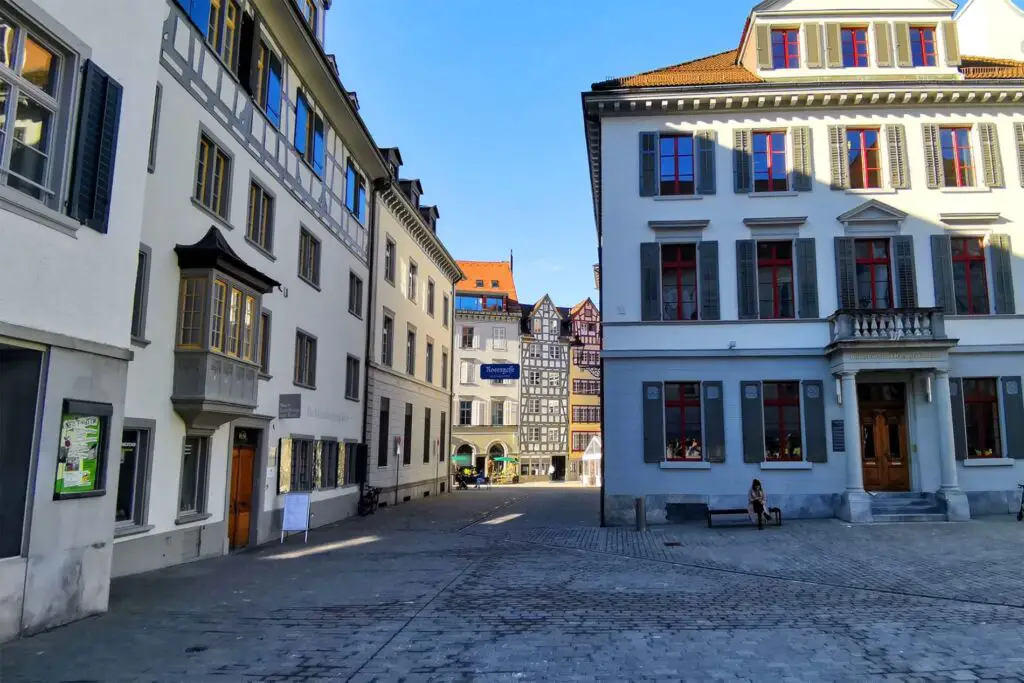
(753, 421)
(942, 273)
(743, 181)
(956, 401)
(764, 46)
(899, 173)
(714, 421)
(803, 164)
(1002, 275)
(654, 422)
(951, 42)
(903, 44)
(1019, 134)
(838, 153)
(816, 447)
(846, 268)
(813, 34)
(707, 142)
(746, 278)
(649, 164)
(933, 157)
(707, 263)
(903, 255)
(991, 157)
(883, 43)
(92, 173)
(1013, 406)
(807, 277)
(650, 281)
(833, 45)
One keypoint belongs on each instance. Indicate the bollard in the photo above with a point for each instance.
(641, 514)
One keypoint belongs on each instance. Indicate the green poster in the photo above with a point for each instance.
(78, 456)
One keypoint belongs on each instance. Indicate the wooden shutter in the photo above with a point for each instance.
(846, 268)
(764, 46)
(956, 401)
(746, 278)
(899, 173)
(649, 164)
(903, 44)
(883, 43)
(942, 274)
(833, 46)
(1002, 275)
(838, 153)
(509, 413)
(284, 465)
(318, 464)
(903, 255)
(753, 421)
(807, 277)
(707, 143)
(654, 422)
(813, 393)
(951, 42)
(1018, 129)
(991, 157)
(743, 181)
(812, 33)
(92, 172)
(248, 54)
(933, 157)
(650, 281)
(707, 264)
(1013, 407)
(803, 164)
(714, 421)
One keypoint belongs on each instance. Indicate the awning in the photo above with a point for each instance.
(504, 458)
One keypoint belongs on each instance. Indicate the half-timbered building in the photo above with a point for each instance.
(584, 383)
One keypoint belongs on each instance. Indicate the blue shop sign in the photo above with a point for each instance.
(499, 371)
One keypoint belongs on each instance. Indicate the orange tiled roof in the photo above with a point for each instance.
(720, 69)
(990, 67)
(487, 272)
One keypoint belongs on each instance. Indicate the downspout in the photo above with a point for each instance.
(451, 388)
(370, 316)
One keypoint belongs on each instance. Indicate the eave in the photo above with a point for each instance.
(396, 202)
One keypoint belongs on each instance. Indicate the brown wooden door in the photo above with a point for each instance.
(240, 511)
(884, 449)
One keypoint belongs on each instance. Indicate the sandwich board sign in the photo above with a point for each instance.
(296, 515)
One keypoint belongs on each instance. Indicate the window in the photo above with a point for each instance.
(410, 351)
(467, 337)
(538, 326)
(500, 341)
(348, 455)
(957, 165)
(580, 440)
(981, 406)
(154, 129)
(309, 258)
(259, 226)
(382, 432)
(352, 378)
(213, 177)
(786, 48)
(588, 358)
(677, 168)
(269, 78)
(533, 405)
(770, 162)
(446, 302)
(430, 297)
(922, 45)
(430, 362)
(874, 274)
(444, 369)
(309, 13)
(442, 434)
(782, 421)
(302, 472)
(863, 159)
(855, 47)
(141, 295)
(969, 278)
(265, 343)
(309, 134)
(193, 292)
(775, 279)
(223, 30)
(387, 341)
(426, 435)
(465, 413)
(533, 433)
(479, 283)
(466, 302)
(355, 196)
(233, 320)
(498, 413)
(389, 261)
(586, 414)
(533, 378)
(586, 387)
(328, 463)
(355, 295)
(305, 360)
(407, 439)
(411, 284)
(683, 436)
(192, 490)
(679, 282)
(130, 508)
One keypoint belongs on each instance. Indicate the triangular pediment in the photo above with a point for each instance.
(858, 6)
(872, 211)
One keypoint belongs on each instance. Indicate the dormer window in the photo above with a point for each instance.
(922, 46)
(855, 47)
(786, 48)
(309, 13)
(479, 283)
(494, 284)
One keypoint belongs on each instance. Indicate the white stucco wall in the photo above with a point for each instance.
(993, 28)
(482, 392)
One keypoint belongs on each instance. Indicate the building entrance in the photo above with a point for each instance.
(883, 432)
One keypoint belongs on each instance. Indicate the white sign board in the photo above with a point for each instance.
(296, 514)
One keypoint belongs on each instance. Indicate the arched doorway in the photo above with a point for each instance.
(496, 450)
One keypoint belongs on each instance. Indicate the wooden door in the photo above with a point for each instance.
(240, 511)
(884, 449)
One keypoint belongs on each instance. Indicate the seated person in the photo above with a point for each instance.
(757, 504)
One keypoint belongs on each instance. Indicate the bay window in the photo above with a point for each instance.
(786, 48)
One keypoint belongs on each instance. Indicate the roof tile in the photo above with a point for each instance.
(487, 272)
(719, 69)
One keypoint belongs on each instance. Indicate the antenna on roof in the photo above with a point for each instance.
(511, 262)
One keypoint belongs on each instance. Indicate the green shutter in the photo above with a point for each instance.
(707, 258)
(650, 281)
(816, 448)
(812, 33)
(833, 45)
(803, 163)
(838, 155)
(743, 181)
(764, 46)
(991, 157)
(899, 173)
(753, 422)
(846, 266)
(903, 44)
(807, 277)
(92, 171)
(714, 421)
(942, 274)
(649, 164)
(1002, 275)
(1018, 129)
(654, 422)
(1013, 406)
(906, 273)
(956, 401)
(707, 144)
(883, 43)
(951, 42)
(933, 157)
(746, 279)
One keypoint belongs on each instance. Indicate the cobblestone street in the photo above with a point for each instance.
(520, 584)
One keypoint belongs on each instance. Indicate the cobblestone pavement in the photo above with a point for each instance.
(520, 585)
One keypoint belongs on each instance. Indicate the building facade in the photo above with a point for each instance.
(584, 384)
(409, 392)
(992, 28)
(810, 259)
(544, 392)
(486, 412)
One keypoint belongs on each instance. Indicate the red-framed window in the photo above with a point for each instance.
(786, 48)
(679, 282)
(863, 158)
(874, 274)
(770, 162)
(922, 45)
(683, 436)
(855, 46)
(957, 164)
(981, 407)
(782, 421)
(970, 280)
(775, 279)
(677, 169)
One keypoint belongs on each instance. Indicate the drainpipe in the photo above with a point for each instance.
(451, 388)
(371, 296)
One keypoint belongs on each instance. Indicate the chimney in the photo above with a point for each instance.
(393, 157)
(413, 190)
(430, 215)
(353, 98)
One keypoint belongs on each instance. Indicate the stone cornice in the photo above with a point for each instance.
(396, 202)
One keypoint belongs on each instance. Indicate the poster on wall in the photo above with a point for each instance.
(81, 449)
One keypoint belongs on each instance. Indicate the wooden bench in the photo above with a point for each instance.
(773, 513)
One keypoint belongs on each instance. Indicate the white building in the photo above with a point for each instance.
(810, 259)
(994, 28)
(409, 393)
(71, 207)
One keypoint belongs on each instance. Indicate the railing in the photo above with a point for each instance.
(892, 325)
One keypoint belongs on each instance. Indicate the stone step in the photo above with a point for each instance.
(923, 506)
(893, 518)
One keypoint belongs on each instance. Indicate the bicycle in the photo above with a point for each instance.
(368, 501)
(1020, 512)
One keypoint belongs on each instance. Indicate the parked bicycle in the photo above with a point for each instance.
(368, 501)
